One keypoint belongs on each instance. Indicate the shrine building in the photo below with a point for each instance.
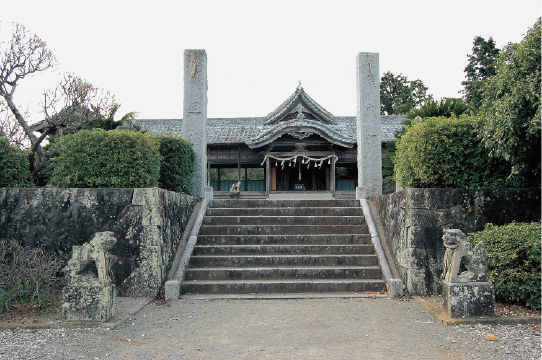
(299, 146)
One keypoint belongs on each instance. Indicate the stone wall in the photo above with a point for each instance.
(413, 221)
(148, 224)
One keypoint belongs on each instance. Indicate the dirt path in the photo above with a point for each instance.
(362, 328)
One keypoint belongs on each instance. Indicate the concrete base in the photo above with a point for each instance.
(470, 299)
(172, 290)
(395, 287)
(92, 303)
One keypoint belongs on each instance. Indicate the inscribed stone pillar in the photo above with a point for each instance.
(368, 127)
(195, 114)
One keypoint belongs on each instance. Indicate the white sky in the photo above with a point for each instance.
(259, 51)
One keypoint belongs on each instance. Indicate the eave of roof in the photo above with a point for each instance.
(300, 125)
(230, 131)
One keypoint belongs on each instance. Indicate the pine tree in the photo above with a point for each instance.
(482, 65)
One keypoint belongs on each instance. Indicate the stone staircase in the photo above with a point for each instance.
(250, 247)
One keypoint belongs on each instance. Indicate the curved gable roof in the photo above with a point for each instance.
(300, 103)
(300, 127)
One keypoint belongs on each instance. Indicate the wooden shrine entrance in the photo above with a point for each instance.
(300, 178)
(300, 171)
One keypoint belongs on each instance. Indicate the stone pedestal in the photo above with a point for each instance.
(469, 299)
(88, 303)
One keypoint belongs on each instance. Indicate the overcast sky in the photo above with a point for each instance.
(259, 51)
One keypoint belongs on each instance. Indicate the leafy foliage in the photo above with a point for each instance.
(513, 256)
(177, 165)
(481, 66)
(98, 158)
(511, 109)
(446, 153)
(445, 107)
(388, 182)
(14, 166)
(399, 96)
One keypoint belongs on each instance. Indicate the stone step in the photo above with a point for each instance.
(283, 246)
(282, 249)
(285, 211)
(309, 273)
(282, 260)
(283, 220)
(282, 229)
(314, 239)
(282, 203)
(284, 286)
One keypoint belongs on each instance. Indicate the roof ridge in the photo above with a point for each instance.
(299, 97)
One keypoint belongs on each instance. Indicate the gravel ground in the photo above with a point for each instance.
(358, 328)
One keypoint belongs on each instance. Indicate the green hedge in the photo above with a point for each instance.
(177, 164)
(446, 153)
(513, 257)
(14, 166)
(99, 158)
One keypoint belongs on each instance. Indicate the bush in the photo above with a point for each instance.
(177, 165)
(29, 276)
(513, 259)
(14, 166)
(446, 153)
(98, 158)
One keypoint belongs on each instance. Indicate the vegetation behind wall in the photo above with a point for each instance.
(446, 153)
(513, 256)
(100, 158)
(177, 165)
(14, 166)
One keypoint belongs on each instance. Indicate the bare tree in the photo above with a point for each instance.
(21, 56)
(72, 105)
(10, 128)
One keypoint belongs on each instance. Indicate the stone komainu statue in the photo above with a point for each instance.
(90, 293)
(89, 264)
(461, 262)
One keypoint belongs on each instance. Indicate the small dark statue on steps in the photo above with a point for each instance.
(235, 191)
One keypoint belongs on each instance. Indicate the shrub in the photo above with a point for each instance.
(29, 276)
(98, 158)
(177, 165)
(14, 166)
(446, 153)
(513, 259)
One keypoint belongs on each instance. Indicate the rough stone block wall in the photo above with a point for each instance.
(413, 221)
(148, 225)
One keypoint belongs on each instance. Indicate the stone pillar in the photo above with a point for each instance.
(195, 115)
(368, 127)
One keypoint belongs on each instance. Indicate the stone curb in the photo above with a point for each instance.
(395, 286)
(63, 324)
(441, 316)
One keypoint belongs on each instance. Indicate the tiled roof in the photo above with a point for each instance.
(239, 130)
(300, 102)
